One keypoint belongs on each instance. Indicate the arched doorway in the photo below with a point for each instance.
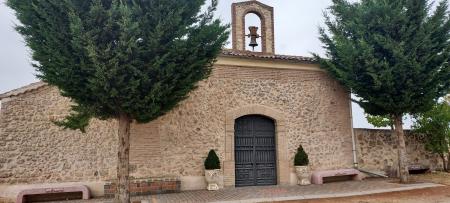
(255, 151)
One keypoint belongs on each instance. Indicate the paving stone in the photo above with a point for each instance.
(276, 193)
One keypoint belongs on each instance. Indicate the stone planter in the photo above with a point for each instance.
(212, 179)
(303, 176)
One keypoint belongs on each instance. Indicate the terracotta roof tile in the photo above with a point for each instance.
(22, 90)
(248, 54)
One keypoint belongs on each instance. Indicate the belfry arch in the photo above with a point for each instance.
(254, 21)
(265, 13)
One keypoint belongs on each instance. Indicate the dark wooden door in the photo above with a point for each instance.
(255, 152)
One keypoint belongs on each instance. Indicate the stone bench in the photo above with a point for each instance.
(53, 190)
(318, 176)
(418, 169)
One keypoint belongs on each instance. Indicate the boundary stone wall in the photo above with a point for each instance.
(377, 151)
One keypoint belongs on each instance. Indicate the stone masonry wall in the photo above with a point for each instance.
(34, 150)
(377, 151)
(315, 108)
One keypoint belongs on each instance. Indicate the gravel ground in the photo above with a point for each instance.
(428, 195)
(435, 177)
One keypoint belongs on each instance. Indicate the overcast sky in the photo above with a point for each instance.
(296, 33)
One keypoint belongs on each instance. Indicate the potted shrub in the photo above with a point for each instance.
(212, 170)
(301, 162)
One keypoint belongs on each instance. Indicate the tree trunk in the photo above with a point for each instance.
(123, 191)
(402, 158)
(448, 162)
(443, 161)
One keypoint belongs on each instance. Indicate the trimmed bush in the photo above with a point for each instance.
(212, 161)
(301, 158)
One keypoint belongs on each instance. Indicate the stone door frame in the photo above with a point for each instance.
(283, 173)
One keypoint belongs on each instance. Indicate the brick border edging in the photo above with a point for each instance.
(150, 186)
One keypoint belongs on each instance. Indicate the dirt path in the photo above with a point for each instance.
(428, 195)
(437, 177)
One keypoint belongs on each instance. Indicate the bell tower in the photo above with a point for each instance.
(265, 13)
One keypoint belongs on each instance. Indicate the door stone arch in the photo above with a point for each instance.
(283, 173)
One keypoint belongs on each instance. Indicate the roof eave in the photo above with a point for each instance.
(22, 90)
(270, 59)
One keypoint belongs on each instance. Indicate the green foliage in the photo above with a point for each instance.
(380, 121)
(301, 158)
(212, 161)
(110, 57)
(435, 125)
(393, 54)
(78, 119)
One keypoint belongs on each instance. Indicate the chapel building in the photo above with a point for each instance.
(255, 110)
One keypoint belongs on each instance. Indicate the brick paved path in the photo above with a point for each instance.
(277, 193)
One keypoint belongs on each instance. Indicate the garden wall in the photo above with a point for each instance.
(377, 151)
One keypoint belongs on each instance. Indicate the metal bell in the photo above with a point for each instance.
(253, 43)
(253, 36)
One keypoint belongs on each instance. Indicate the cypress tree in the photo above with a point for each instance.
(130, 60)
(301, 158)
(212, 161)
(392, 54)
